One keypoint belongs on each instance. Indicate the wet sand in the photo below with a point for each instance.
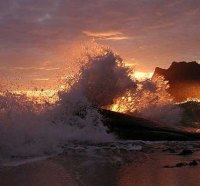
(109, 167)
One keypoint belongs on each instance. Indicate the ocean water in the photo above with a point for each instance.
(66, 143)
(130, 163)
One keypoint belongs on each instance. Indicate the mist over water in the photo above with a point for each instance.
(28, 128)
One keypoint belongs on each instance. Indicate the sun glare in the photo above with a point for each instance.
(142, 75)
(41, 96)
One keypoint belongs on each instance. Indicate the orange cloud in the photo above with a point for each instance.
(106, 35)
(41, 79)
(36, 68)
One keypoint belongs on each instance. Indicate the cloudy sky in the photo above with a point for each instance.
(36, 35)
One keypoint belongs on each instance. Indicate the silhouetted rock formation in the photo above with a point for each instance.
(134, 128)
(184, 79)
(191, 114)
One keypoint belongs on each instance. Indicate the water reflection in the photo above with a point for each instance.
(125, 169)
(152, 173)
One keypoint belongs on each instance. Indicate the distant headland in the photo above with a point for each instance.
(183, 78)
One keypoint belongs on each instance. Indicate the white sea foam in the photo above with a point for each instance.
(31, 129)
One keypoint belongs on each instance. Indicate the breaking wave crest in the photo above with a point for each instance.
(29, 128)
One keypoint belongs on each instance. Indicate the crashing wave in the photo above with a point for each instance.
(29, 128)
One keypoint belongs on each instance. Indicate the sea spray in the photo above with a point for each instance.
(150, 100)
(106, 82)
(102, 77)
(28, 128)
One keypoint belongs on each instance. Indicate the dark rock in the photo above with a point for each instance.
(167, 166)
(180, 164)
(191, 113)
(193, 163)
(183, 77)
(134, 128)
(13, 156)
(177, 165)
(170, 150)
(185, 152)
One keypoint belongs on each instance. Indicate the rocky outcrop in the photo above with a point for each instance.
(184, 79)
(134, 128)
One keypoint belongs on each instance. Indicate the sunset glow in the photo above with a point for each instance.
(142, 75)
(40, 96)
(99, 92)
(37, 46)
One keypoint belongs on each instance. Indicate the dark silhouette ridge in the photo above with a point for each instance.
(184, 79)
(134, 128)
